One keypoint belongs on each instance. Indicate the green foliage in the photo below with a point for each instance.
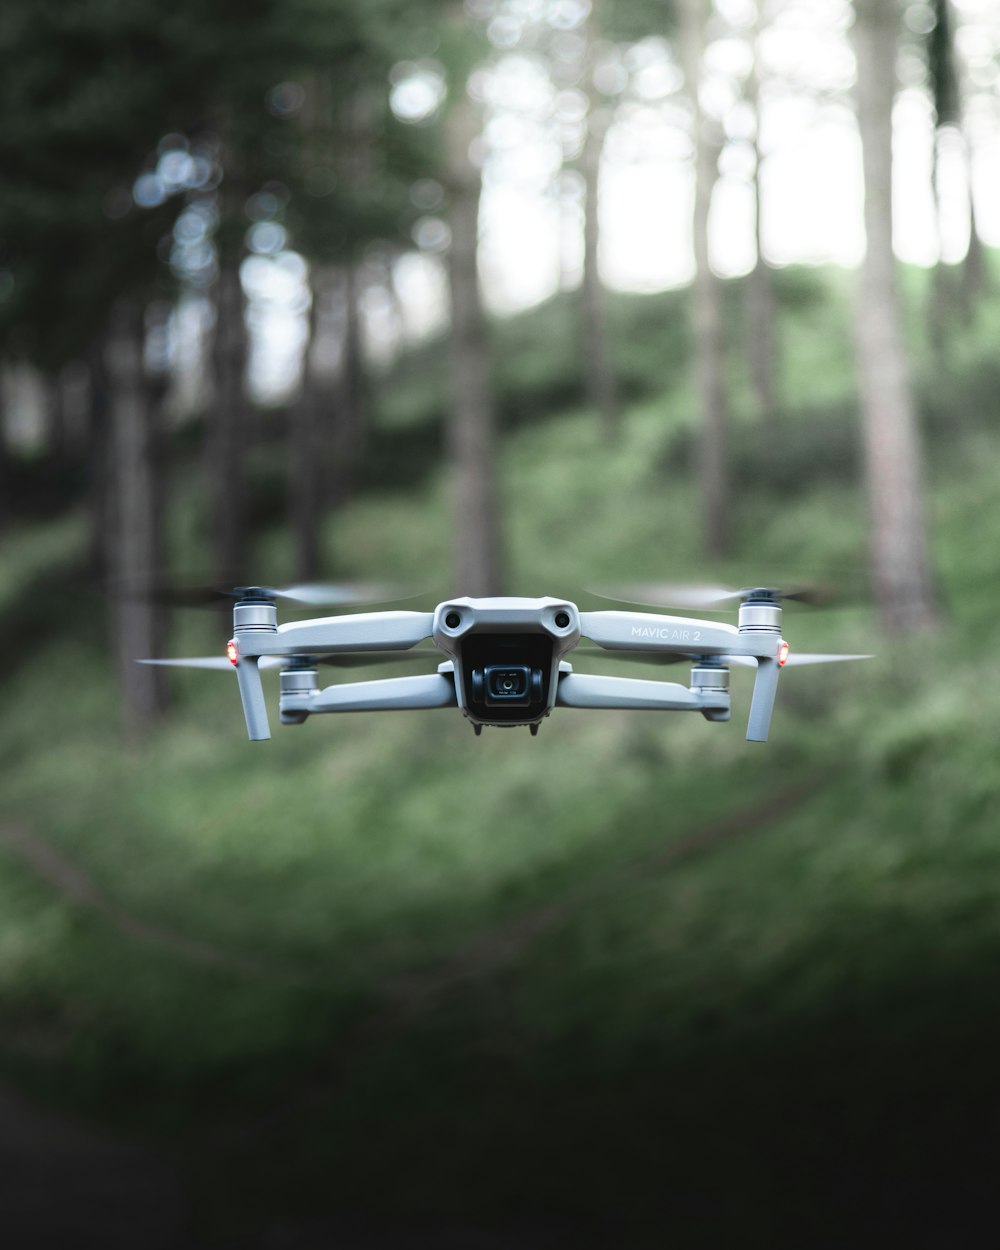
(627, 21)
(81, 99)
(90, 91)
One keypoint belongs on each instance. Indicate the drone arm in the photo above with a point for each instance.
(362, 631)
(648, 631)
(586, 690)
(640, 631)
(391, 694)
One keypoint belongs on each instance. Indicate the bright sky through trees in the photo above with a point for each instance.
(811, 176)
(531, 214)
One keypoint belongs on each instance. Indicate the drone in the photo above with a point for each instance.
(505, 661)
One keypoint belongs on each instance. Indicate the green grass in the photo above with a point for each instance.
(660, 1040)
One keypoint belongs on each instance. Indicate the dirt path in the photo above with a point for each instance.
(76, 886)
(67, 1184)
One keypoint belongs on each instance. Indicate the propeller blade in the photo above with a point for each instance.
(666, 594)
(805, 657)
(220, 662)
(708, 598)
(167, 596)
(795, 658)
(307, 594)
(337, 594)
(345, 659)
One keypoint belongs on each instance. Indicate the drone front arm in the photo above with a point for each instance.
(648, 631)
(587, 690)
(390, 694)
(362, 631)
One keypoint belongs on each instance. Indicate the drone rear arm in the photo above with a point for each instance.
(586, 690)
(389, 694)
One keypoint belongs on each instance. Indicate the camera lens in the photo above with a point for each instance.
(562, 619)
(506, 681)
(508, 684)
(453, 620)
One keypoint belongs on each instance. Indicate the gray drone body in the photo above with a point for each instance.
(503, 661)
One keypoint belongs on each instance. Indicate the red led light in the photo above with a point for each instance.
(782, 653)
(233, 651)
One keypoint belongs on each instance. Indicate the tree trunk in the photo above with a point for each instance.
(98, 460)
(602, 391)
(6, 467)
(133, 540)
(307, 458)
(306, 487)
(471, 434)
(350, 424)
(760, 288)
(57, 434)
(962, 288)
(899, 551)
(974, 272)
(706, 303)
(228, 427)
(944, 92)
(357, 165)
(941, 295)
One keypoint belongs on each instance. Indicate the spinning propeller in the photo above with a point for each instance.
(796, 659)
(709, 598)
(343, 659)
(306, 594)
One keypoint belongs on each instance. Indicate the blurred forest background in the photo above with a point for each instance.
(514, 296)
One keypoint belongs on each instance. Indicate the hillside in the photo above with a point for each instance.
(380, 982)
